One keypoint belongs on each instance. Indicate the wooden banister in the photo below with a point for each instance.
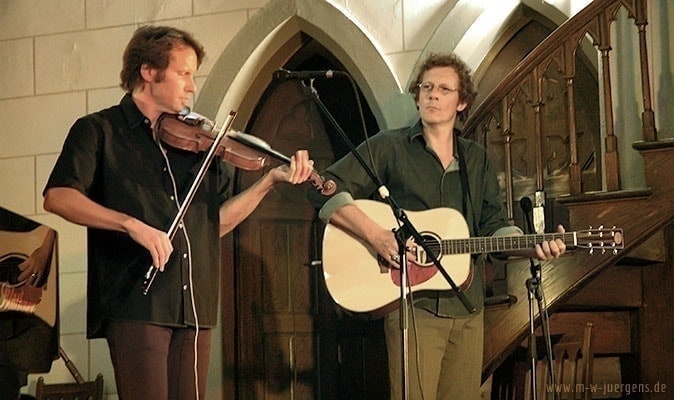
(558, 54)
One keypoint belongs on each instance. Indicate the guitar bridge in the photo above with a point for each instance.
(384, 264)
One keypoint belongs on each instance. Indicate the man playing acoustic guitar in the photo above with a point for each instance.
(427, 166)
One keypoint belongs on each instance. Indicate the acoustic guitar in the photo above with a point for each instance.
(360, 282)
(41, 298)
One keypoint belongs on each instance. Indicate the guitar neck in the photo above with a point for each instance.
(494, 244)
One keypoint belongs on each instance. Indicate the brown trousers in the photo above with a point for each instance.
(157, 362)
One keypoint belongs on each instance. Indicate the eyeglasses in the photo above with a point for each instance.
(427, 87)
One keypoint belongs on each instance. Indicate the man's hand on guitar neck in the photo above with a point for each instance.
(382, 240)
(545, 251)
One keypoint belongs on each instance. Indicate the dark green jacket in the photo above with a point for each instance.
(416, 180)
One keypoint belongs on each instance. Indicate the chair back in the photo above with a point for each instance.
(91, 390)
(572, 363)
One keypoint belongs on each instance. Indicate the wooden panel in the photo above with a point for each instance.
(250, 365)
(617, 286)
(612, 329)
(607, 378)
(656, 364)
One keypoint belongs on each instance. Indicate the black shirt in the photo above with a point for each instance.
(112, 158)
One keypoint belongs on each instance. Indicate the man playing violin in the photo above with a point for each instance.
(115, 177)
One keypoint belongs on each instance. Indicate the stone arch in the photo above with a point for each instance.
(479, 48)
(450, 36)
(244, 69)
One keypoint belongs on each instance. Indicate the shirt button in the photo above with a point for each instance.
(184, 287)
(165, 169)
(171, 197)
(180, 225)
(184, 255)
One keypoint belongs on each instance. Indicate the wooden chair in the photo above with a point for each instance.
(92, 390)
(573, 363)
(573, 360)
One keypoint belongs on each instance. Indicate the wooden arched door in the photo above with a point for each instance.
(290, 340)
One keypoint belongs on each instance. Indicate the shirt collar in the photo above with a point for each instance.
(131, 112)
(416, 131)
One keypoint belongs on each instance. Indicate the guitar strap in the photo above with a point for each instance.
(465, 186)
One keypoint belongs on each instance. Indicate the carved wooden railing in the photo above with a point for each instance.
(552, 68)
(530, 126)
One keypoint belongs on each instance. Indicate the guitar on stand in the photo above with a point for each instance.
(360, 282)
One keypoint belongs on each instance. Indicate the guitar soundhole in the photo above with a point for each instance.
(434, 245)
(9, 268)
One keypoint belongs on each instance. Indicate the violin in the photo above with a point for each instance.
(195, 133)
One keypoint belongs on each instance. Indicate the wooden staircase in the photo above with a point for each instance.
(520, 110)
(640, 213)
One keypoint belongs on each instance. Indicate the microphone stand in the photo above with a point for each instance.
(405, 230)
(534, 286)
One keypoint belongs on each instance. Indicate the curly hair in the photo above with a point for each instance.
(467, 92)
(151, 46)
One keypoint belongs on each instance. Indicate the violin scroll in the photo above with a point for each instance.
(326, 188)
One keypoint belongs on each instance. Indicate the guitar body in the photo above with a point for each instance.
(359, 283)
(14, 294)
(41, 301)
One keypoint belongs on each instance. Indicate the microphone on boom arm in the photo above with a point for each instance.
(282, 74)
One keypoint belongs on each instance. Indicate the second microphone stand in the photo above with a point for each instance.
(534, 286)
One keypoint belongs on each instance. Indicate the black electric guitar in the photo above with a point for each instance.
(361, 282)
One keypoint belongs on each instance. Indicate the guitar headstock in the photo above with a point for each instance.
(601, 239)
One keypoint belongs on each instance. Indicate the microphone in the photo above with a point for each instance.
(527, 208)
(526, 204)
(284, 74)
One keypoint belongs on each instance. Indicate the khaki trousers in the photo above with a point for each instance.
(444, 356)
